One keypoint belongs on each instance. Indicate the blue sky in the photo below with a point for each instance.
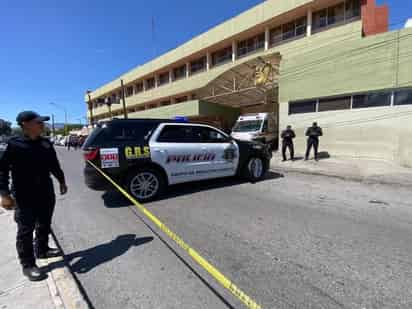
(52, 51)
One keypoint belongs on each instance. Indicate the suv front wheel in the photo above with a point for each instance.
(145, 184)
(255, 169)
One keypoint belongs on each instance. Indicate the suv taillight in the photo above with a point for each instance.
(90, 153)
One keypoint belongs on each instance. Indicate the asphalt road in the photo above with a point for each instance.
(289, 242)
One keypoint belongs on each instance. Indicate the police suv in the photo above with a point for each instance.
(147, 155)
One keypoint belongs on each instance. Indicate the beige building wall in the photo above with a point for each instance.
(367, 64)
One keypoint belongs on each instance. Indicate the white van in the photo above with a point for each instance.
(256, 127)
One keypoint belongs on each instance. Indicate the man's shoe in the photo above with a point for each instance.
(50, 253)
(34, 273)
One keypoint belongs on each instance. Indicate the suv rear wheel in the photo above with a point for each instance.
(145, 184)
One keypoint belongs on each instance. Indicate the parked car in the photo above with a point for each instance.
(147, 155)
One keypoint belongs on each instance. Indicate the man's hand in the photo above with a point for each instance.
(7, 202)
(63, 188)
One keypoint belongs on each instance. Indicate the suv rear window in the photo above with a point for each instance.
(136, 132)
(95, 138)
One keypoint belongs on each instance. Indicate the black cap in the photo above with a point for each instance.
(29, 116)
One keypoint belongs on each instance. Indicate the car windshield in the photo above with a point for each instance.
(247, 126)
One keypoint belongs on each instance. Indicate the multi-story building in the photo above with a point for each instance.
(332, 61)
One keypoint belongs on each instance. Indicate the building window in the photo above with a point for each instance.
(320, 19)
(353, 9)
(180, 72)
(138, 87)
(165, 103)
(344, 11)
(150, 83)
(334, 104)
(288, 31)
(403, 97)
(164, 78)
(250, 45)
(276, 36)
(300, 26)
(372, 100)
(153, 105)
(129, 91)
(336, 14)
(222, 56)
(302, 107)
(181, 99)
(198, 65)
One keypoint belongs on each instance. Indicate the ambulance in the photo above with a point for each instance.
(260, 127)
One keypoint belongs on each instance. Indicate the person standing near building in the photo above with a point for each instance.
(313, 133)
(31, 159)
(287, 142)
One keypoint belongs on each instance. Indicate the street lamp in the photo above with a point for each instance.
(65, 115)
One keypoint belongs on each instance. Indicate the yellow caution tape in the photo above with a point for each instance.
(213, 271)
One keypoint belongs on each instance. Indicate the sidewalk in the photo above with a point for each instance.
(364, 170)
(58, 291)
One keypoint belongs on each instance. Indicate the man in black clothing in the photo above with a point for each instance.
(287, 142)
(313, 133)
(31, 159)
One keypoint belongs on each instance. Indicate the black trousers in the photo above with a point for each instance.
(285, 146)
(33, 216)
(312, 142)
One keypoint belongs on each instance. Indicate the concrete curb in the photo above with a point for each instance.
(63, 288)
(373, 179)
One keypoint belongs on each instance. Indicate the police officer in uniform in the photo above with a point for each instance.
(31, 159)
(287, 142)
(313, 133)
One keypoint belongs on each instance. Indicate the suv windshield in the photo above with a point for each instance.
(247, 126)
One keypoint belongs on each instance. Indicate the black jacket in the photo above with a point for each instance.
(30, 162)
(288, 135)
(314, 132)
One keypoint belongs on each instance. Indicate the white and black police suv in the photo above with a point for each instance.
(147, 155)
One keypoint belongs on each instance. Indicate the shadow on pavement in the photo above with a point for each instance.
(114, 199)
(90, 258)
(323, 155)
(194, 187)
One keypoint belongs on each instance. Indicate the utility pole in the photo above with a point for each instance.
(108, 102)
(90, 105)
(65, 115)
(124, 100)
(53, 128)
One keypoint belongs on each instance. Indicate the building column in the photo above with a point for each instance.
(234, 51)
(144, 85)
(156, 77)
(171, 76)
(187, 69)
(309, 23)
(267, 38)
(208, 61)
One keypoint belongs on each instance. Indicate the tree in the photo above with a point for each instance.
(5, 127)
